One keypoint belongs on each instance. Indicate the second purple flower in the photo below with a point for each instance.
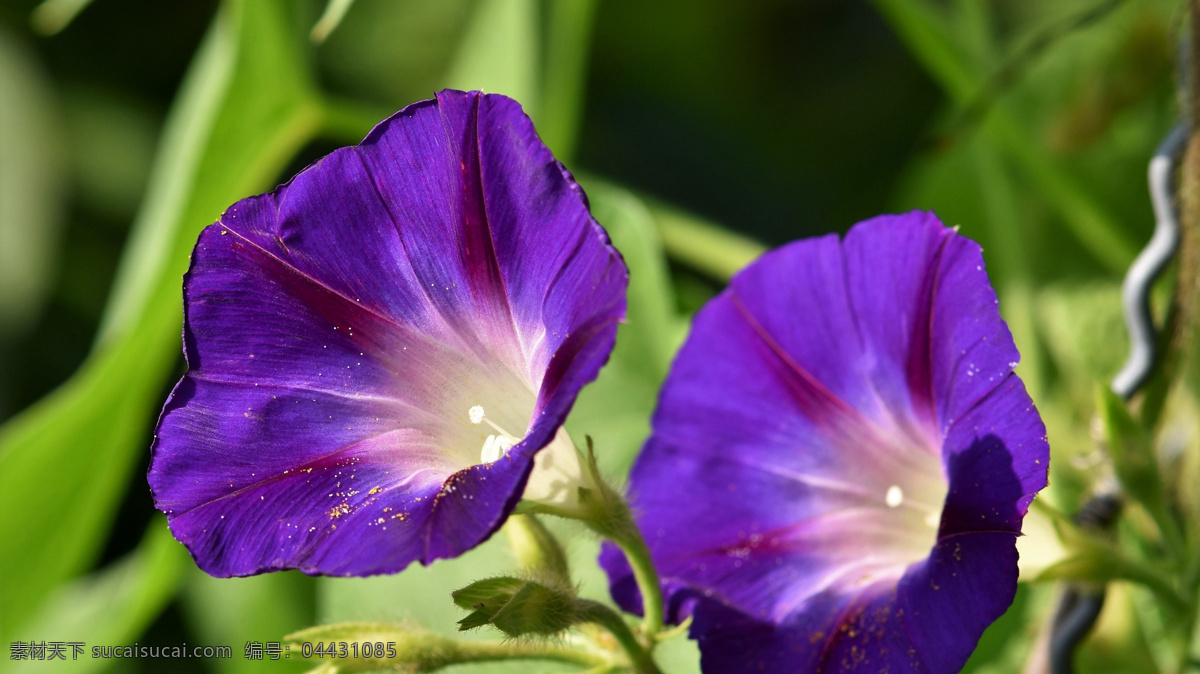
(841, 459)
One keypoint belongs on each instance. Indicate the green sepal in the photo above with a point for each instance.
(486, 591)
(517, 607)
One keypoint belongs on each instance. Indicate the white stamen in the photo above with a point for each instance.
(476, 414)
(494, 447)
(894, 497)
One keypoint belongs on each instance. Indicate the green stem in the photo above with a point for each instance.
(612, 520)
(485, 651)
(639, 655)
(644, 573)
(703, 245)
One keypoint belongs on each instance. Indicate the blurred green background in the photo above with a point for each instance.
(700, 129)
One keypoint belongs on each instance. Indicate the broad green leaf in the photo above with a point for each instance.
(244, 110)
(498, 53)
(112, 606)
(32, 185)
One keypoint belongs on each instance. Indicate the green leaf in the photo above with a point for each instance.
(237, 610)
(489, 591)
(112, 606)
(245, 108)
(1094, 560)
(32, 185)
(703, 245)
(931, 37)
(335, 11)
(568, 36)
(498, 53)
(1136, 466)
(615, 409)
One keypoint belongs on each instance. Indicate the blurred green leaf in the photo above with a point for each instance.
(1136, 466)
(111, 607)
(244, 110)
(499, 51)
(233, 611)
(568, 38)
(393, 53)
(1092, 559)
(930, 36)
(615, 409)
(112, 148)
(32, 184)
(703, 245)
(1084, 328)
(331, 18)
(52, 16)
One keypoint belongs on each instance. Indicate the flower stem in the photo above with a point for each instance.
(639, 655)
(646, 576)
(484, 651)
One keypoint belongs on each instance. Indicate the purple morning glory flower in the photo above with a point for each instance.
(841, 459)
(379, 348)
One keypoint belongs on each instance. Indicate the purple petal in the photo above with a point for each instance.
(836, 417)
(339, 329)
(909, 627)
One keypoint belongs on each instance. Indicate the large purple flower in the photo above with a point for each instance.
(379, 348)
(841, 459)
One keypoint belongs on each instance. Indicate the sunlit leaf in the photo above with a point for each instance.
(498, 53)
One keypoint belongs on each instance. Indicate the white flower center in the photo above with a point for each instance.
(494, 446)
(558, 473)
